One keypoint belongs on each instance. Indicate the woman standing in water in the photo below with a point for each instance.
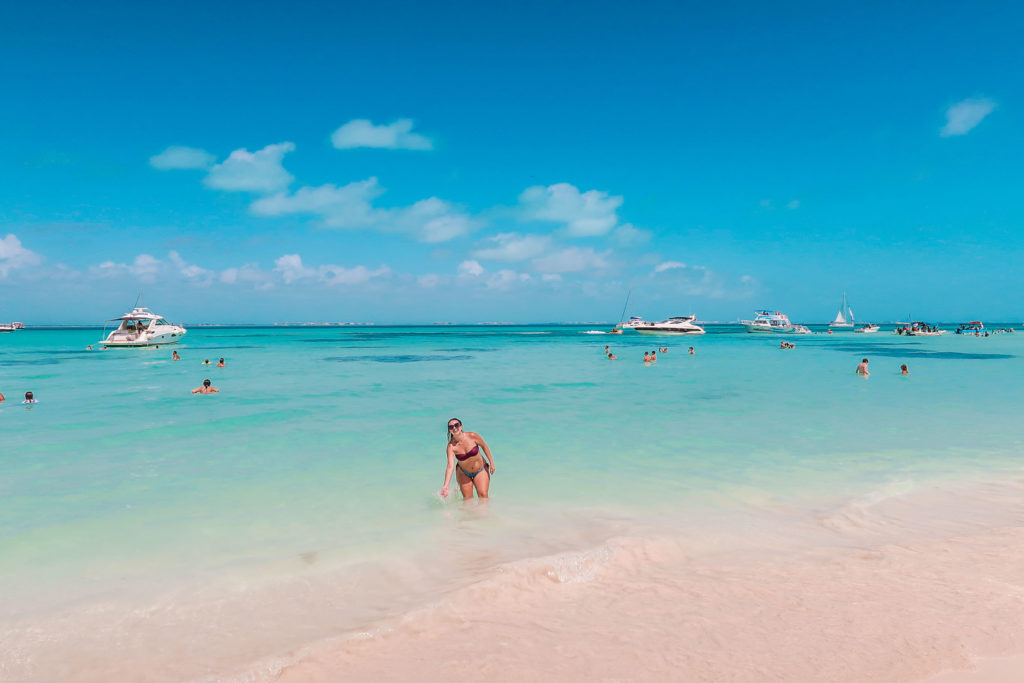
(473, 470)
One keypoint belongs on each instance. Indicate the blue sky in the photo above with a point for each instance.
(529, 162)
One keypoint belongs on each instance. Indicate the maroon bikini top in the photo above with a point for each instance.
(470, 454)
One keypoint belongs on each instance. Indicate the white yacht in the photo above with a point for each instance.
(634, 322)
(142, 328)
(842, 321)
(801, 329)
(868, 329)
(680, 324)
(767, 321)
(5, 327)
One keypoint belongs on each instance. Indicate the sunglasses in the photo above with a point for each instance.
(453, 426)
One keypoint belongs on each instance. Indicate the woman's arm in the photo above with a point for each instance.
(449, 468)
(483, 444)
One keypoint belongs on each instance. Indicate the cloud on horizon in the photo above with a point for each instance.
(963, 116)
(362, 133)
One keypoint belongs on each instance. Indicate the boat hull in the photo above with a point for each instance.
(159, 340)
(770, 329)
(666, 331)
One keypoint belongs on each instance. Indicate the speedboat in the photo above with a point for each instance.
(801, 329)
(766, 321)
(142, 328)
(868, 329)
(5, 327)
(974, 327)
(634, 322)
(919, 329)
(680, 324)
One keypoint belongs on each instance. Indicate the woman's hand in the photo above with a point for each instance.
(490, 469)
(444, 491)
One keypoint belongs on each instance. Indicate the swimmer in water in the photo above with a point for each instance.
(29, 398)
(220, 363)
(473, 472)
(904, 370)
(647, 357)
(691, 350)
(206, 362)
(862, 369)
(2, 399)
(175, 356)
(206, 388)
(612, 356)
(89, 347)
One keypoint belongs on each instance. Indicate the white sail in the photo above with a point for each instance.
(850, 312)
(840, 320)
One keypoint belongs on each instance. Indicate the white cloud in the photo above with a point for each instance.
(430, 220)
(551, 277)
(245, 171)
(668, 265)
(292, 270)
(585, 214)
(505, 279)
(191, 272)
(338, 275)
(362, 133)
(339, 207)
(965, 115)
(176, 158)
(250, 273)
(428, 281)
(14, 256)
(627, 235)
(571, 260)
(512, 247)
(470, 268)
(144, 268)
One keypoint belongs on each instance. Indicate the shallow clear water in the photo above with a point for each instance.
(325, 448)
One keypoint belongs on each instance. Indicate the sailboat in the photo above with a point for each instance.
(841, 319)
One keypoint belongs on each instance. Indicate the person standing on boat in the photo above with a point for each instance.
(862, 369)
(473, 472)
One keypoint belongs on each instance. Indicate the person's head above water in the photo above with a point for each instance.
(28, 396)
(206, 382)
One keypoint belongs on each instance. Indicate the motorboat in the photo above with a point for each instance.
(844, 318)
(868, 329)
(767, 321)
(974, 327)
(11, 327)
(918, 329)
(633, 323)
(680, 324)
(143, 328)
(801, 329)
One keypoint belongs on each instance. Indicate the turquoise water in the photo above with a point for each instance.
(328, 443)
